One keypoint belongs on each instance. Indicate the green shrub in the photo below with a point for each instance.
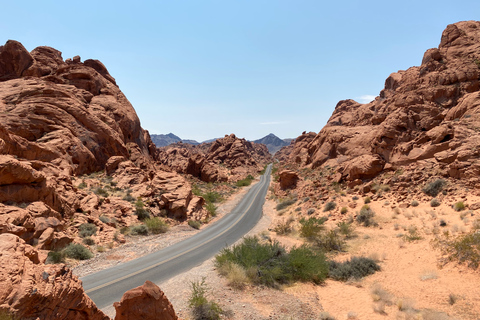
(459, 206)
(194, 224)
(412, 234)
(55, 257)
(211, 208)
(367, 200)
(415, 203)
(310, 211)
(329, 241)
(355, 268)
(346, 229)
(202, 308)
(87, 230)
(365, 216)
(344, 210)
(464, 249)
(311, 227)
(139, 229)
(284, 226)
(156, 225)
(142, 213)
(245, 182)
(434, 202)
(212, 196)
(329, 206)
(270, 264)
(434, 188)
(101, 192)
(128, 197)
(286, 203)
(82, 185)
(77, 251)
(88, 241)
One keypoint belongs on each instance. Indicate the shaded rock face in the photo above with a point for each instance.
(225, 159)
(29, 286)
(288, 179)
(146, 302)
(430, 112)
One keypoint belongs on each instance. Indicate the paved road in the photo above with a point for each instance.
(107, 286)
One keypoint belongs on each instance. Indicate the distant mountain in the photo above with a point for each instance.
(163, 140)
(273, 142)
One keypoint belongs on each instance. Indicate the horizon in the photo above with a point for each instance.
(203, 70)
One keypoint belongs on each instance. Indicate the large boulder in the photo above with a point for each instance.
(146, 302)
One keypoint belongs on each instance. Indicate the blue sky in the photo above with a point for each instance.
(202, 69)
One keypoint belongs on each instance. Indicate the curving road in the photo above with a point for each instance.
(107, 286)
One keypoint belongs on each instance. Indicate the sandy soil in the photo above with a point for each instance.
(412, 284)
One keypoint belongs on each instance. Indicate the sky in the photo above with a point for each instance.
(203, 69)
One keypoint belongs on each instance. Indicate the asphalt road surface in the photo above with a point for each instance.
(107, 286)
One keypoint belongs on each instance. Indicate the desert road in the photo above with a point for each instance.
(107, 286)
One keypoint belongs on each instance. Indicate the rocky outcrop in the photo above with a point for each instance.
(225, 159)
(146, 302)
(287, 179)
(32, 290)
(426, 113)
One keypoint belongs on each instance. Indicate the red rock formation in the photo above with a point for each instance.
(225, 159)
(287, 179)
(429, 112)
(32, 290)
(146, 302)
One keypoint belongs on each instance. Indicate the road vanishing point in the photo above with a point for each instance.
(107, 286)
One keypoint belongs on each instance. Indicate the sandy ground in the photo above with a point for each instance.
(412, 284)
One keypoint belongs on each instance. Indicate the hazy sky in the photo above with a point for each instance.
(202, 69)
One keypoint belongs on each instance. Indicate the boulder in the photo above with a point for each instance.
(288, 179)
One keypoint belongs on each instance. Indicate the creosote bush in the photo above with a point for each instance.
(202, 308)
(77, 251)
(285, 203)
(367, 200)
(269, 263)
(355, 268)
(139, 229)
(245, 182)
(415, 203)
(311, 227)
(365, 216)
(87, 230)
(463, 248)
(156, 225)
(194, 224)
(434, 188)
(140, 210)
(329, 206)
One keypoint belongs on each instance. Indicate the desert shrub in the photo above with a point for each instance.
(128, 197)
(329, 241)
(194, 224)
(463, 249)
(367, 200)
(82, 185)
(55, 257)
(104, 219)
(286, 203)
(325, 316)
(77, 251)
(101, 192)
(434, 188)
(305, 264)
(245, 182)
(212, 196)
(346, 229)
(6, 315)
(344, 210)
(311, 227)
(139, 229)
(101, 249)
(156, 225)
(140, 210)
(365, 216)
(201, 307)
(211, 208)
(414, 203)
(235, 274)
(270, 264)
(87, 230)
(88, 241)
(459, 206)
(310, 211)
(284, 226)
(434, 202)
(125, 230)
(412, 234)
(355, 268)
(329, 206)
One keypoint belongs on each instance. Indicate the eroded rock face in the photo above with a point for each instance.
(225, 159)
(146, 302)
(32, 290)
(288, 179)
(428, 112)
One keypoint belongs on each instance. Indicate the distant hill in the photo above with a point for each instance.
(273, 142)
(163, 140)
